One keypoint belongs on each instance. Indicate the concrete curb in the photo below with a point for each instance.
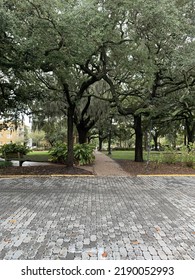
(167, 175)
(42, 176)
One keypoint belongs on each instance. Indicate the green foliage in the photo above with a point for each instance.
(14, 148)
(55, 133)
(169, 156)
(59, 153)
(37, 136)
(147, 49)
(83, 153)
(188, 155)
(4, 164)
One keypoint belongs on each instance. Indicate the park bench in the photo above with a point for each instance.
(14, 156)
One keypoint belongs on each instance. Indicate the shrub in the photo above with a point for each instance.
(59, 153)
(14, 148)
(188, 155)
(83, 153)
(168, 156)
(4, 164)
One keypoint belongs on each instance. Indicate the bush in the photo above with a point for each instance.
(168, 156)
(59, 153)
(83, 153)
(188, 155)
(4, 164)
(14, 148)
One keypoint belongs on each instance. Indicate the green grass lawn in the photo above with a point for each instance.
(165, 157)
(37, 156)
(40, 156)
(131, 154)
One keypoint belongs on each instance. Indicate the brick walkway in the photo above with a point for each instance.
(80, 218)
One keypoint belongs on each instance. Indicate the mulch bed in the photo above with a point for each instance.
(142, 168)
(131, 167)
(43, 170)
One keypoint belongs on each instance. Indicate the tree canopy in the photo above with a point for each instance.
(57, 52)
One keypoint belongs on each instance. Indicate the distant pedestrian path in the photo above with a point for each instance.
(105, 166)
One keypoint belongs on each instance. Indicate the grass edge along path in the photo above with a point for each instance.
(153, 156)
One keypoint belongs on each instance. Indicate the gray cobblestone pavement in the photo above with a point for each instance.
(97, 218)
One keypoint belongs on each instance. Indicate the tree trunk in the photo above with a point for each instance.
(190, 136)
(109, 142)
(101, 138)
(190, 128)
(82, 132)
(155, 138)
(138, 139)
(70, 138)
(110, 138)
(185, 139)
(146, 141)
(120, 142)
(100, 143)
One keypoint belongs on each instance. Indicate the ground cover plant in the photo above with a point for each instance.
(7, 168)
(129, 155)
(4, 164)
(14, 148)
(83, 153)
(169, 156)
(164, 162)
(55, 160)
